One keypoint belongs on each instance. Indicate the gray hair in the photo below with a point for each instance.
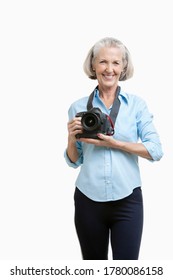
(128, 68)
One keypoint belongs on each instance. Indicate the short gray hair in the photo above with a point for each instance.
(128, 68)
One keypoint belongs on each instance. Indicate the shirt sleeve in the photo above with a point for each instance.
(80, 158)
(147, 132)
(71, 114)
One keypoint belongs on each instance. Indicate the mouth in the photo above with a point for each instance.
(108, 77)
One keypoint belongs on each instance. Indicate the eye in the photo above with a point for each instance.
(116, 62)
(102, 61)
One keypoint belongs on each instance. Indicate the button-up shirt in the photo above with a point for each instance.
(108, 174)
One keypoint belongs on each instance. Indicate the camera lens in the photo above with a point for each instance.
(90, 121)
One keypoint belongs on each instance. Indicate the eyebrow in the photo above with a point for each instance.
(117, 60)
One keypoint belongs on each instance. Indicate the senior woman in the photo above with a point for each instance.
(108, 188)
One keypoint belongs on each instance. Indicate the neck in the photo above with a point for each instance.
(107, 93)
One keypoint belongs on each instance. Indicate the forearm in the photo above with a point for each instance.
(132, 148)
(72, 151)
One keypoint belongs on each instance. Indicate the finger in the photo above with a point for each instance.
(89, 140)
(101, 136)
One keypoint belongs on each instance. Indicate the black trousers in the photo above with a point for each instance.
(119, 221)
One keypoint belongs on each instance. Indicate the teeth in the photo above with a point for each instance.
(108, 77)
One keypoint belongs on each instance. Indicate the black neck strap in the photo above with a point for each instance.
(115, 106)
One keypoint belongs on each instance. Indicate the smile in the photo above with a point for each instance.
(108, 77)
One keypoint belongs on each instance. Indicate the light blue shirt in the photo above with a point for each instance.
(108, 174)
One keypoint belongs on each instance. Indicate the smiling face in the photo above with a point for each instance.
(108, 65)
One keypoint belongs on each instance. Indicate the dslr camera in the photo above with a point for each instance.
(93, 122)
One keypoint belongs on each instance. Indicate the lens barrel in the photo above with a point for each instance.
(90, 121)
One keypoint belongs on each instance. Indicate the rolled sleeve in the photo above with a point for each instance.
(154, 149)
(70, 163)
(148, 133)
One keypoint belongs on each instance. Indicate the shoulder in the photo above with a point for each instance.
(131, 98)
(77, 106)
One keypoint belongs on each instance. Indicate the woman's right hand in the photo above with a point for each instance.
(74, 127)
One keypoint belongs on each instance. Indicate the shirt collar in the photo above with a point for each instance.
(123, 94)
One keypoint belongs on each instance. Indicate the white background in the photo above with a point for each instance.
(42, 50)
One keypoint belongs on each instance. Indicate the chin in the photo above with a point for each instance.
(109, 84)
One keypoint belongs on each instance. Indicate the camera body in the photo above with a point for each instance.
(93, 122)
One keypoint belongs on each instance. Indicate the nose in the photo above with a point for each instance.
(109, 67)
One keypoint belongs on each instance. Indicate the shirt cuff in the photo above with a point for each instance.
(154, 150)
(70, 163)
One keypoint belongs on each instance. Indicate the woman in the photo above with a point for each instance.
(108, 195)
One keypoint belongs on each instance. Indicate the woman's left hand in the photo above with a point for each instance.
(104, 140)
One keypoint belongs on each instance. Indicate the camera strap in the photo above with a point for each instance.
(115, 106)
